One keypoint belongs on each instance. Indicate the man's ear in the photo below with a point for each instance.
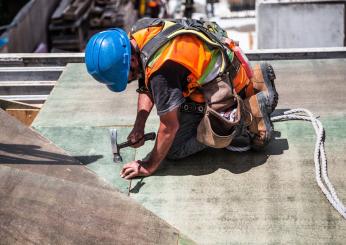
(134, 46)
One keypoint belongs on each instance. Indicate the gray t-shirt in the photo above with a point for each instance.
(166, 86)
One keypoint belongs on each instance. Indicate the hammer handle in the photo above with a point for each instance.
(148, 136)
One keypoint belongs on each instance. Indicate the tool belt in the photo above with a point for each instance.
(215, 130)
(192, 107)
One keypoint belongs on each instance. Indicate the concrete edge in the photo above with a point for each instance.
(297, 54)
(61, 59)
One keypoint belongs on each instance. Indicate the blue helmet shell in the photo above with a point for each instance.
(107, 58)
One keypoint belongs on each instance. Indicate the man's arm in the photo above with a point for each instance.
(169, 125)
(144, 107)
(166, 87)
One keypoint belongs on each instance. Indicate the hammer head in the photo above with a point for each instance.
(115, 148)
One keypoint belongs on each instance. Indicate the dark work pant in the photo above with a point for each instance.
(185, 142)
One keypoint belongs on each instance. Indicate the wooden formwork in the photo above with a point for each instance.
(23, 112)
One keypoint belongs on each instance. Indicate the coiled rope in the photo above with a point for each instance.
(320, 159)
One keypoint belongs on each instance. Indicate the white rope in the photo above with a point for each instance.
(320, 159)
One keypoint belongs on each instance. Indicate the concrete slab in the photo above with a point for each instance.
(23, 148)
(49, 197)
(77, 117)
(78, 100)
(86, 142)
(218, 197)
(41, 209)
(318, 85)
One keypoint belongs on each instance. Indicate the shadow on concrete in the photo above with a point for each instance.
(279, 112)
(32, 154)
(138, 186)
(210, 160)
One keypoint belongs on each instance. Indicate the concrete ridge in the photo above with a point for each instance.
(61, 193)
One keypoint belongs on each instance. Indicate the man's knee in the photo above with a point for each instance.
(173, 157)
(174, 153)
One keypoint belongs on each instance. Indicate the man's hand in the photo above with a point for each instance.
(169, 125)
(134, 169)
(136, 135)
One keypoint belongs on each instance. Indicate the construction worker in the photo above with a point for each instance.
(205, 92)
(153, 8)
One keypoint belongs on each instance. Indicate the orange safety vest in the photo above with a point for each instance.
(191, 52)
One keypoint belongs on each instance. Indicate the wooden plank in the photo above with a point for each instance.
(26, 116)
(9, 104)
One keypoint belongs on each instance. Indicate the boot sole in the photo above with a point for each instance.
(269, 77)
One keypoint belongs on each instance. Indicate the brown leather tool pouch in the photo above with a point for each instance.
(215, 130)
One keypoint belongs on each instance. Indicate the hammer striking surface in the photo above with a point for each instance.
(116, 147)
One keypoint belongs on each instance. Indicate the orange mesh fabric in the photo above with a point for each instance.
(187, 50)
(145, 35)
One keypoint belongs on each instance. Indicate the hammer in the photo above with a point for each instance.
(116, 147)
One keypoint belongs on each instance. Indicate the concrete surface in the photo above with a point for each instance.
(300, 24)
(77, 100)
(48, 197)
(91, 145)
(219, 197)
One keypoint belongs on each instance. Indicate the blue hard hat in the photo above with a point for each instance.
(108, 56)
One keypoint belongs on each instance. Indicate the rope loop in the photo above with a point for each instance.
(320, 158)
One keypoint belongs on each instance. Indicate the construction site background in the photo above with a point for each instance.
(66, 25)
(60, 184)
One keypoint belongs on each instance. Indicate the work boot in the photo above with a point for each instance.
(263, 81)
(257, 118)
(240, 143)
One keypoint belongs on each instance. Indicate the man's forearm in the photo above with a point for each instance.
(144, 107)
(165, 138)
